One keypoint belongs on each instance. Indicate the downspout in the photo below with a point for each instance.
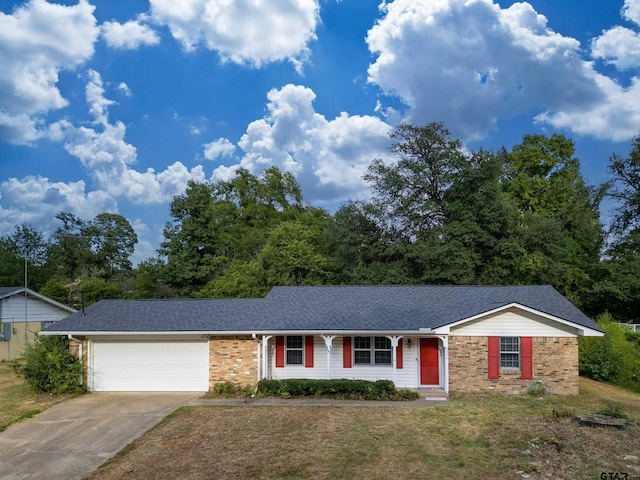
(71, 337)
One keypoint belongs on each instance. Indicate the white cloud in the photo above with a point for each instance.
(620, 46)
(472, 63)
(243, 31)
(130, 35)
(20, 195)
(37, 41)
(328, 157)
(631, 11)
(104, 152)
(98, 104)
(219, 148)
(124, 89)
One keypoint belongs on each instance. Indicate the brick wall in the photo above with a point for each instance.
(232, 359)
(555, 363)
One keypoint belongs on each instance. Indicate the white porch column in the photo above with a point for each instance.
(328, 342)
(395, 339)
(445, 370)
(265, 355)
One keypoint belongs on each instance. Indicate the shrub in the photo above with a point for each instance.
(602, 358)
(48, 367)
(231, 390)
(339, 389)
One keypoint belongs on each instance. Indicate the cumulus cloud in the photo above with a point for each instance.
(19, 196)
(620, 46)
(219, 148)
(130, 35)
(471, 63)
(242, 31)
(328, 157)
(105, 153)
(37, 41)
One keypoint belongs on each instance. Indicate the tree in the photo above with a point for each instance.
(409, 193)
(625, 189)
(112, 240)
(290, 256)
(70, 248)
(151, 280)
(560, 228)
(219, 224)
(25, 245)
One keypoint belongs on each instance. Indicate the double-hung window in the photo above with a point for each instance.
(371, 351)
(510, 353)
(294, 350)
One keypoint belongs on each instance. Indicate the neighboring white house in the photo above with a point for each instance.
(23, 313)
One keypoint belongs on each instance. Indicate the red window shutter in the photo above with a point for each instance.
(526, 358)
(308, 351)
(346, 352)
(399, 354)
(279, 351)
(494, 357)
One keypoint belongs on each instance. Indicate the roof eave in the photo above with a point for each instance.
(87, 333)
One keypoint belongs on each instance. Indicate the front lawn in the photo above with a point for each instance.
(476, 436)
(17, 400)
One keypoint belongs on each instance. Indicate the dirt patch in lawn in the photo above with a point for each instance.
(482, 437)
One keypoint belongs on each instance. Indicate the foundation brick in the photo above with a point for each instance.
(555, 364)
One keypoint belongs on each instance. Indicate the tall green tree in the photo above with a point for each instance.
(560, 227)
(408, 194)
(219, 224)
(625, 189)
(112, 240)
(26, 248)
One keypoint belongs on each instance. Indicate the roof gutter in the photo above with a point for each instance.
(421, 331)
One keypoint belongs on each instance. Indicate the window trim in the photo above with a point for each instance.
(510, 354)
(288, 349)
(372, 351)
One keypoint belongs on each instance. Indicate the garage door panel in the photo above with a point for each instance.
(150, 366)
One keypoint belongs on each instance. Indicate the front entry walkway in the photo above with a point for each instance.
(74, 437)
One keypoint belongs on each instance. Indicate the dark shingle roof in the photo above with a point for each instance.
(328, 308)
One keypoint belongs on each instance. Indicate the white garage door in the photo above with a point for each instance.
(150, 367)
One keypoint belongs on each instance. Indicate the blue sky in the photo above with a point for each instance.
(115, 106)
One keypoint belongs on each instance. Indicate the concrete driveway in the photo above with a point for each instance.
(74, 437)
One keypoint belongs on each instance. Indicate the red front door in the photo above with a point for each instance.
(429, 369)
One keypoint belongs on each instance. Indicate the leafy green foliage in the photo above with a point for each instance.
(614, 358)
(96, 289)
(231, 390)
(340, 388)
(49, 367)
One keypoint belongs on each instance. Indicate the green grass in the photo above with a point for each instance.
(17, 400)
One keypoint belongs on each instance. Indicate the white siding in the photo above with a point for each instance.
(13, 310)
(406, 377)
(514, 322)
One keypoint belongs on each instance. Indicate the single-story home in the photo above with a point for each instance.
(457, 338)
(23, 313)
